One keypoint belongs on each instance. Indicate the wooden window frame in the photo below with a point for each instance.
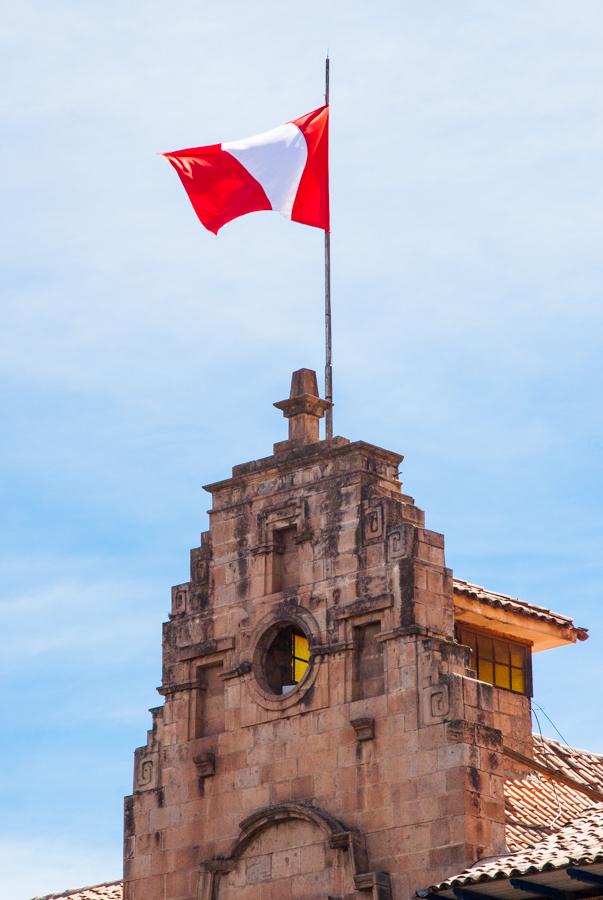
(463, 630)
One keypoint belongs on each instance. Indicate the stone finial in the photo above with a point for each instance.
(304, 408)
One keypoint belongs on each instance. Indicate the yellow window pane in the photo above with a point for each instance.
(470, 639)
(299, 669)
(486, 671)
(517, 656)
(501, 652)
(301, 647)
(518, 682)
(502, 676)
(485, 648)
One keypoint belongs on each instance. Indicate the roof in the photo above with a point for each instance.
(577, 843)
(108, 890)
(514, 604)
(536, 804)
(550, 628)
(551, 820)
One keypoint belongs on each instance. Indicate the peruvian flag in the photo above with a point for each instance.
(285, 169)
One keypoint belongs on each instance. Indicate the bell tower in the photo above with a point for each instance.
(321, 734)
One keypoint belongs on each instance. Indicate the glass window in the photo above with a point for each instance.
(498, 661)
(301, 656)
(287, 659)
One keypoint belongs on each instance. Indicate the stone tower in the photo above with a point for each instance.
(323, 734)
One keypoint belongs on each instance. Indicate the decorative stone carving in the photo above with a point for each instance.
(373, 523)
(206, 764)
(279, 517)
(207, 648)
(442, 701)
(377, 882)
(206, 768)
(435, 704)
(146, 771)
(398, 542)
(199, 566)
(363, 605)
(179, 599)
(364, 728)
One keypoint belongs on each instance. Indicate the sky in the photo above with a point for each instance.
(140, 355)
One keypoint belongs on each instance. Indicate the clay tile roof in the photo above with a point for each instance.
(108, 890)
(536, 805)
(579, 842)
(514, 604)
(549, 824)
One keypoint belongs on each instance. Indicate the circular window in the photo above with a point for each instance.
(286, 659)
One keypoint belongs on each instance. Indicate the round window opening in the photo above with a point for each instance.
(286, 659)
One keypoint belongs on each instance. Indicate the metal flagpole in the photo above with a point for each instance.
(328, 349)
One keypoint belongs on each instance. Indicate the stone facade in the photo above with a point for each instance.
(380, 771)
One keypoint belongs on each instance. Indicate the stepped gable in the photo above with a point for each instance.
(341, 718)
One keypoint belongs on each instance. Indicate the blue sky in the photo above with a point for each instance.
(140, 355)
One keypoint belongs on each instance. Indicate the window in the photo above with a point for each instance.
(285, 559)
(499, 661)
(368, 675)
(287, 659)
(209, 707)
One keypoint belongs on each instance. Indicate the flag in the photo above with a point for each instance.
(285, 169)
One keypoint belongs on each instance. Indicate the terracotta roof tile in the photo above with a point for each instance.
(536, 805)
(579, 842)
(514, 604)
(581, 765)
(108, 890)
(549, 825)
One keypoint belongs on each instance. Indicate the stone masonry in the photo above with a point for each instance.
(380, 771)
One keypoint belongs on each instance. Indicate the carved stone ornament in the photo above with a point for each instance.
(364, 728)
(206, 764)
(199, 566)
(373, 523)
(398, 542)
(377, 882)
(435, 704)
(279, 517)
(146, 771)
(179, 599)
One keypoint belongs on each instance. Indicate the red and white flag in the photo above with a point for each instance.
(285, 169)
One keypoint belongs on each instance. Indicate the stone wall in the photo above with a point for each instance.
(382, 770)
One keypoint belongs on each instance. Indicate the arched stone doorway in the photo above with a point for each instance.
(293, 850)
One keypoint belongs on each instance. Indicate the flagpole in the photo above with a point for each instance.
(328, 348)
